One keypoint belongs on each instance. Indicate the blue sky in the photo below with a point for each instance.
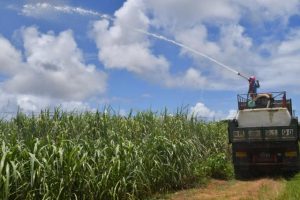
(87, 54)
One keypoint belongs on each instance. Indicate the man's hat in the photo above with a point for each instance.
(252, 78)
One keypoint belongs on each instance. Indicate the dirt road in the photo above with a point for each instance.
(263, 188)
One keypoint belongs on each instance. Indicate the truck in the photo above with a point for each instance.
(264, 134)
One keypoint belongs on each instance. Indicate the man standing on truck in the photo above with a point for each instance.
(253, 85)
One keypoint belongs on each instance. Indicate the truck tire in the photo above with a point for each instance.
(241, 174)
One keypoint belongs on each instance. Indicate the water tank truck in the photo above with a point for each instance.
(264, 134)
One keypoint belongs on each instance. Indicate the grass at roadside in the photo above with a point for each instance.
(255, 189)
(292, 189)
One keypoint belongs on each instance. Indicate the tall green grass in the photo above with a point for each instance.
(106, 156)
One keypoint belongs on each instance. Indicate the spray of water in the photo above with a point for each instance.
(30, 9)
(191, 50)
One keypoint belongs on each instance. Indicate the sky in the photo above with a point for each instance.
(87, 55)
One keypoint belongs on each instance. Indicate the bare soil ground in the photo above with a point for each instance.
(263, 188)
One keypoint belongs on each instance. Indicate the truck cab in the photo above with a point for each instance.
(264, 134)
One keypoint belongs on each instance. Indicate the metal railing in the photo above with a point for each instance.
(264, 100)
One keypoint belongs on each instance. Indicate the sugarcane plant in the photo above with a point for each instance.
(103, 155)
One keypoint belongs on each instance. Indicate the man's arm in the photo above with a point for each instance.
(257, 84)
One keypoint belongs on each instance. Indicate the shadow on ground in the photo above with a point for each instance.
(258, 174)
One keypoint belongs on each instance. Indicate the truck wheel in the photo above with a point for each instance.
(241, 173)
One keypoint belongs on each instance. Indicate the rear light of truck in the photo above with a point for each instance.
(290, 154)
(240, 154)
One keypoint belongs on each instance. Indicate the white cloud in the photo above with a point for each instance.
(196, 38)
(268, 10)
(52, 72)
(187, 13)
(10, 58)
(201, 111)
(192, 79)
(281, 70)
(291, 45)
(12, 103)
(231, 114)
(122, 112)
(121, 47)
(75, 106)
(54, 67)
(231, 46)
(31, 103)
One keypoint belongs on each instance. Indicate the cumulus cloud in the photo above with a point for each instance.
(187, 13)
(192, 79)
(10, 58)
(121, 47)
(231, 114)
(201, 111)
(10, 104)
(281, 68)
(53, 71)
(268, 10)
(119, 44)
